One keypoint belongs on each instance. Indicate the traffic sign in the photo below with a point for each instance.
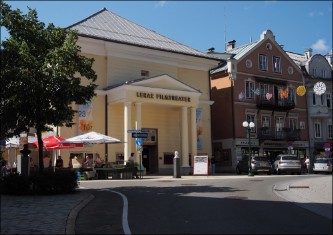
(133, 131)
(140, 135)
(138, 142)
(138, 131)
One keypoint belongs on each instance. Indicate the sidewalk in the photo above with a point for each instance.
(314, 194)
(57, 214)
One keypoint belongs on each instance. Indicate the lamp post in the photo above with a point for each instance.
(248, 126)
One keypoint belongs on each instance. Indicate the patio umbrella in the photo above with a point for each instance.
(54, 143)
(92, 138)
(14, 142)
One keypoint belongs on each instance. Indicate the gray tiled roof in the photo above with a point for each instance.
(106, 25)
(235, 53)
(297, 58)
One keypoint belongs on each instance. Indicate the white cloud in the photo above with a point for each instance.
(320, 45)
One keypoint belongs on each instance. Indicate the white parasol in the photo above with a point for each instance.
(92, 138)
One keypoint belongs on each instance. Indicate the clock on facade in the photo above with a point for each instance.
(319, 88)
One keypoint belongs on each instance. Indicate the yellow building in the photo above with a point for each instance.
(145, 82)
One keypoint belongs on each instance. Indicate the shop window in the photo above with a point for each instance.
(168, 158)
(226, 157)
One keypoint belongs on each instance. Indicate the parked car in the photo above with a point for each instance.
(258, 165)
(287, 163)
(323, 165)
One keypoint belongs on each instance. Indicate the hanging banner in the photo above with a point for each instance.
(85, 118)
(199, 128)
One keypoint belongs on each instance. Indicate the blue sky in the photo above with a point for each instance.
(297, 25)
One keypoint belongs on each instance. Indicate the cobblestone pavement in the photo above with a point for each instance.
(37, 214)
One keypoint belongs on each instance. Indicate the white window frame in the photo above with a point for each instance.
(329, 131)
(323, 73)
(276, 64)
(263, 65)
(266, 121)
(329, 100)
(249, 89)
(292, 94)
(314, 100)
(293, 125)
(264, 89)
(279, 123)
(317, 129)
(322, 99)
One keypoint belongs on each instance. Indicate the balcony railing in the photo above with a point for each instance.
(270, 133)
(273, 104)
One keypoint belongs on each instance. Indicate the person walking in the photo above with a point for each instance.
(307, 163)
(131, 163)
(212, 163)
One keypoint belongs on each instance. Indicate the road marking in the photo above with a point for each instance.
(126, 227)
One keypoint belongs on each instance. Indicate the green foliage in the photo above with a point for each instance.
(42, 74)
(47, 183)
(15, 184)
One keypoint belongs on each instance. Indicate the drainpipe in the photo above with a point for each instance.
(233, 108)
(211, 128)
(106, 126)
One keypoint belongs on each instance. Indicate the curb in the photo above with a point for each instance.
(71, 219)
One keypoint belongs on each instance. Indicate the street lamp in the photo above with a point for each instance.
(248, 126)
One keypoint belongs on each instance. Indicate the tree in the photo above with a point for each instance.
(42, 75)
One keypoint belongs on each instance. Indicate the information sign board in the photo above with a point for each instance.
(200, 165)
(143, 135)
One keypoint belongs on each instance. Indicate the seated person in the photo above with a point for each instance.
(131, 163)
(99, 162)
(59, 162)
(75, 163)
(88, 163)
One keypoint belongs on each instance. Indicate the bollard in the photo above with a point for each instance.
(176, 166)
(25, 160)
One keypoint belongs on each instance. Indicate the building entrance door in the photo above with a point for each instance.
(150, 159)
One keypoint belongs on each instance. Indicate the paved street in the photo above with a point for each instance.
(57, 214)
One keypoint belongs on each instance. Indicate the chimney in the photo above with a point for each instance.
(231, 45)
(211, 50)
(308, 53)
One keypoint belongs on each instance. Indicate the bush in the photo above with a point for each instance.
(15, 184)
(47, 183)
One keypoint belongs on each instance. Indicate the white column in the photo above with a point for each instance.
(138, 127)
(193, 131)
(127, 126)
(138, 116)
(185, 137)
